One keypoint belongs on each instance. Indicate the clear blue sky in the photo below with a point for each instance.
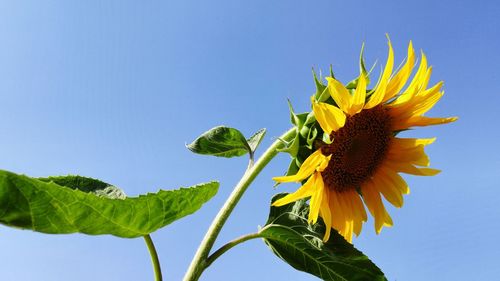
(114, 89)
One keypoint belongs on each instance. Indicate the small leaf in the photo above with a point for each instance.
(299, 244)
(222, 142)
(256, 139)
(71, 204)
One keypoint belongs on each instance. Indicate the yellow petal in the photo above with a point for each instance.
(423, 121)
(304, 191)
(425, 80)
(316, 198)
(343, 199)
(388, 189)
(415, 107)
(375, 206)
(358, 207)
(324, 164)
(427, 104)
(380, 90)
(326, 214)
(415, 155)
(348, 230)
(346, 206)
(329, 117)
(357, 226)
(408, 168)
(308, 167)
(338, 217)
(395, 179)
(358, 214)
(415, 83)
(339, 94)
(399, 80)
(419, 104)
(358, 100)
(411, 142)
(377, 97)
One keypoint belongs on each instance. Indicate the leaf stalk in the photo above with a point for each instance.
(230, 245)
(154, 257)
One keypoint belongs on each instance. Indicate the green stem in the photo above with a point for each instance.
(199, 262)
(154, 257)
(229, 245)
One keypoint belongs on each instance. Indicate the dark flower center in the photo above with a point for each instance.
(357, 149)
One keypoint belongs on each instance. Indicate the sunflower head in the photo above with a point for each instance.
(354, 157)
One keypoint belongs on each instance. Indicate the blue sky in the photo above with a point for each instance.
(114, 89)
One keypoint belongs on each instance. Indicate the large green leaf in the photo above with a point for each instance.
(292, 239)
(73, 204)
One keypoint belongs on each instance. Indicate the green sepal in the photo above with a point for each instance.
(326, 138)
(362, 69)
(311, 137)
(320, 87)
(322, 94)
(293, 168)
(294, 118)
(292, 147)
(304, 123)
(300, 121)
(74, 204)
(290, 237)
(306, 126)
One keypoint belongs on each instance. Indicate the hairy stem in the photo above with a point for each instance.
(154, 257)
(199, 262)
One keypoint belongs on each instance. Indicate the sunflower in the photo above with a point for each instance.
(363, 157)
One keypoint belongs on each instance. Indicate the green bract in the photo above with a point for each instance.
(309, 134)
(71, 204)
(299, 244)
(301, 146)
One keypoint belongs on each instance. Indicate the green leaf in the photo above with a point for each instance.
(256, 139)
(292, 239)
(71, 204)
(222, 142)
(88, 185)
